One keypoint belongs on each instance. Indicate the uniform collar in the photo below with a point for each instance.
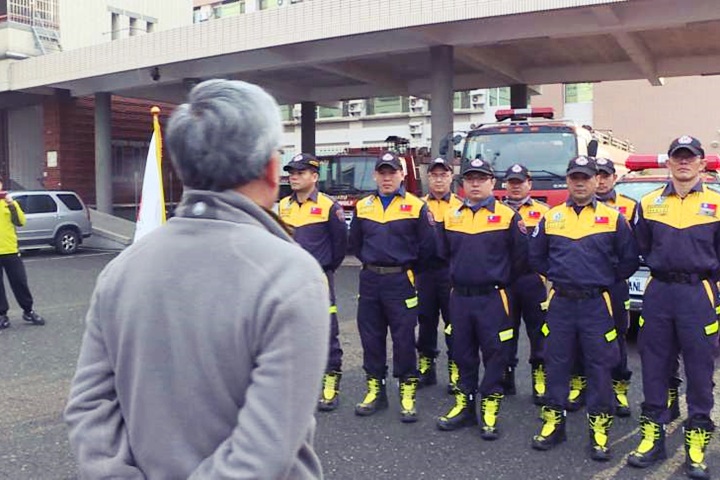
(571, 203)
(488, 203)
(611, 196)
(313, 196)
(520, 203)
(400, 191)
(444, 198)
(670, 188)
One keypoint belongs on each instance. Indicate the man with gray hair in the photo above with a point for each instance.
(206, 341)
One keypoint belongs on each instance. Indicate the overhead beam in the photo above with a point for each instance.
(490, 63)
(633, 46)
(364, 74)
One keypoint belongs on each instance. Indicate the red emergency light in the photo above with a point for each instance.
(525, 113)
(641, 162)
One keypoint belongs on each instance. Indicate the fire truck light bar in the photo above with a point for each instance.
(642, 162)
(525, 113)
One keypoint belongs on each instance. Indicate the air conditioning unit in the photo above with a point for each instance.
(297, 111)
(477, 98)
(416, 128)
(356, 108)
(416, 104)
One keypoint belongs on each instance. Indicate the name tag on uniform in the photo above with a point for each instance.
(708, 209)
(602, 220)
(315, 211)
(494, 218)
(405, 208)
(534, 214)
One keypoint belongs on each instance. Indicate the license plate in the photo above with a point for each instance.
(637, 282)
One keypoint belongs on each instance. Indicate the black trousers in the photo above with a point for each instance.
(13, 266)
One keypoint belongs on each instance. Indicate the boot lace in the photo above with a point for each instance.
(600, 424)
(672, 396)
(650, 433)
(577, 385)
(424, 364)
(551, 419)
(461, 403)
(490, 409)
(407, 394)
(696, 440)
(539, 380)
(373, 390)
(621, 390)
(330, 385)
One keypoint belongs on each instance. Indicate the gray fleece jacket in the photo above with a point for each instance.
(203, 353)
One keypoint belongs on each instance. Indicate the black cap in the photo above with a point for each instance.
(478, 165)
(303, 161)
(605, 165)
(440, 162)
(517, 172)
(582, 164)
(689, 143)
(389, 159)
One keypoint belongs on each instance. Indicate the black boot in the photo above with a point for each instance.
(408, 389)
(622, 406)
(538, 384)
(461, 415)
(599, 430)
(329, 398)
(508, 381)
(4, 322)
(375, 398)
(489, 410)
(553, 430)
(426, 369)
(453, 377)
(674, 398)
(576, 397)
(652, 444)
(698, 432)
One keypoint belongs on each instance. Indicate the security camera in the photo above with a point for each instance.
(155, 74)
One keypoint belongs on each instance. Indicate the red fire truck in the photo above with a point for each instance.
(348, 175)
(533, 138)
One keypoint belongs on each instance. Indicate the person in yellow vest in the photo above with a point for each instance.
(12, 216)
(319, 227)
(433, 284)
(528, 290)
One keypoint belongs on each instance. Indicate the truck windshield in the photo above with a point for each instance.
(545, 154)
(348, 174)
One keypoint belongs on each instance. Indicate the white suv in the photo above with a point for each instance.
(56, 218)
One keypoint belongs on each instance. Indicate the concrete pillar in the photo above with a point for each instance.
(441, 81)
(103, 153)
(307, 127)
(518, 96)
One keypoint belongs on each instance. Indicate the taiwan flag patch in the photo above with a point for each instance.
(315, 211)
(709, 209)
(602, 220)
(494, 218)
(534, 214)
(405, 207)
(622, 210)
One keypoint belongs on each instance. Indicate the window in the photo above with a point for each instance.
(578, 93)
(37, 203)
(71, 201)
(286, 112)
(133, 26)
(265, 4)
(114, 26)
(329, 112)
(461, 100)
(382, 105)
(498, 97)
(128, 159)
(150, 27)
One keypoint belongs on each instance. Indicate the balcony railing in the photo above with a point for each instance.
(39, 13)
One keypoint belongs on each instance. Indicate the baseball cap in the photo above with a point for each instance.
(440, 162)
(582, 164)
(303, 161)
(517, 172)
(689, 143)
(478, 165)
(605, 165)
(389, 159)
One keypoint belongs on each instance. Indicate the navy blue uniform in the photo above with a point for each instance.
(392, 243)
(583, 251)
(486, 245)
(319, 227)
(679, 239)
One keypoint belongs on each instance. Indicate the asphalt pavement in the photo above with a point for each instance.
(38, 363)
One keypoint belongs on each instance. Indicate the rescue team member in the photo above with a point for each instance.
(678, 230)
(583, 247)
(433, 284)
(392, 234)
(319, 227)
(620, 291)
(485, 242)
(528, 290)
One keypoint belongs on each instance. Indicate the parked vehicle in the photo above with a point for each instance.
(56, 218)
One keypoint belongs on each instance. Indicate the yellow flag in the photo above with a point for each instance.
(152, 200)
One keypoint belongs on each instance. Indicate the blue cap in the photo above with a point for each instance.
(303, 161)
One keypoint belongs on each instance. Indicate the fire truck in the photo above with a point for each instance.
(533, 137)
(348, 175)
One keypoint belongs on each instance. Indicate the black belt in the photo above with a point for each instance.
(680, 277)
(383, 269)
(578, 293)
(476, 290)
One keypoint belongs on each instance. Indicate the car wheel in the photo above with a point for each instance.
(67, 241)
